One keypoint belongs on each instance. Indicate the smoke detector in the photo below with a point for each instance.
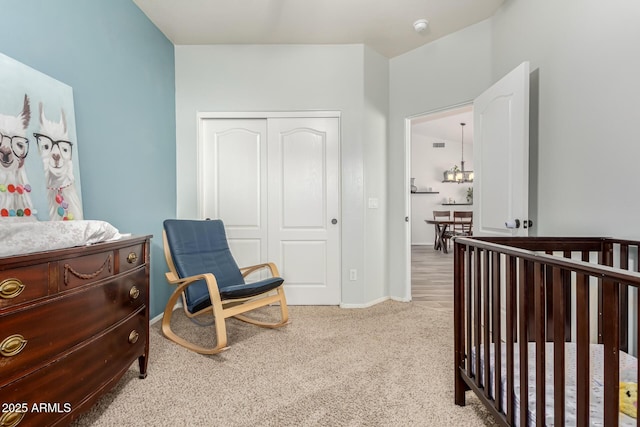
(420, 25)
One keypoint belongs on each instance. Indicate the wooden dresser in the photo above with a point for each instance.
(72, 321)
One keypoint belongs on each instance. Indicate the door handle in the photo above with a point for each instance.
(514, 223)
(334, 221)
(526, 223)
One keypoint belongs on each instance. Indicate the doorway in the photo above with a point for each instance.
(502, 118)
(436, 143)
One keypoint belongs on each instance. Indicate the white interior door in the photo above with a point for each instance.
(233, 183)
(304, 232)
(501, 157)
(275, 184)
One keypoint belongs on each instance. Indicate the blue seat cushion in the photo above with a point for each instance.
(199, 247)
(199, 296)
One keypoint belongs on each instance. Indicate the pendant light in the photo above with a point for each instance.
(463, 175)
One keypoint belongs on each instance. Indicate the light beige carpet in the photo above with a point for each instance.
(388, 365)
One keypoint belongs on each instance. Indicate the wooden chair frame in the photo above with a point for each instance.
(221, 309)
(463, 223)
(445, 238)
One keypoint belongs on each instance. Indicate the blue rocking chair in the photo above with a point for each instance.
(209, 281)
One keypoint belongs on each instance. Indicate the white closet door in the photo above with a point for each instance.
(275, 184)
(233, 183)
(304, 228)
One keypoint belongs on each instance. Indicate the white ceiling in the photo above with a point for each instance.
(446, 125)
(384, 25)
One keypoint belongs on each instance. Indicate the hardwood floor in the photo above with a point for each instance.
(432, 277)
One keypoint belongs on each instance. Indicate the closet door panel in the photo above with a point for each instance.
(232, 170)
(304, 195)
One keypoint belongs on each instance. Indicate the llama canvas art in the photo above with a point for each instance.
(15, 200)
(38, 141)
(56, 152)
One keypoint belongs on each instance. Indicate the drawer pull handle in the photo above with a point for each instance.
(132, 257)
(69, 269)
(133, 337)
(12, 345)
(11, 419)
(134, 292)
(10, 288)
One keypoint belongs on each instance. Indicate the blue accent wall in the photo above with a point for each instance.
(121, 69)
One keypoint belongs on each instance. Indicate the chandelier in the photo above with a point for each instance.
(459, 175)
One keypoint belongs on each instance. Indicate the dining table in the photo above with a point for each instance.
(441, 226)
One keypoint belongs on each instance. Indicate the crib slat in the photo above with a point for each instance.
(549, 295)
(583, 382)
(477, 311)
(511, 325)
(469, 295)
(540, 319)
(559, 295)
(566, 280)
(624, 301)
(605, 257)
(468, 309)
(497, 331)
(461, 355)
(523, 317)
(487, 323)
(637, 302)
(611, 337)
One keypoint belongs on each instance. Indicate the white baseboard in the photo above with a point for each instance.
(400, 299)
(156, 319)
(342, 305)
(365, 305)
(161, 315)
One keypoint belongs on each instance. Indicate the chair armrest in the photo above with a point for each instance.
(185, 282)
(250, 269)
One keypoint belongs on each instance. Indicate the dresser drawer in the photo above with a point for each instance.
(130, 257)
(67, 383)
(85, 269)
(34, 337)
(23, 284)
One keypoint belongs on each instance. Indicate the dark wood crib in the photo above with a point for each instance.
(544, 292)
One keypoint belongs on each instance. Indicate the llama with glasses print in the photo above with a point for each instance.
(56, 152)
(15, 200)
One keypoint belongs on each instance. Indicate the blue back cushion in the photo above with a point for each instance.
(199, 247)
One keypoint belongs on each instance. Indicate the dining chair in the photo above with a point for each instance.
(462, 223)
(442, 215)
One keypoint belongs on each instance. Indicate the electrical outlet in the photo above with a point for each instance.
(353, 274)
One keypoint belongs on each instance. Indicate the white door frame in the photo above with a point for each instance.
(407, 192)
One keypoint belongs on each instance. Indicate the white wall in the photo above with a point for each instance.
(374, 147)
(290, 78)
(586, 56)
(447, 72)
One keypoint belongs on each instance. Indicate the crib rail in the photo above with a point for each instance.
(519, 290)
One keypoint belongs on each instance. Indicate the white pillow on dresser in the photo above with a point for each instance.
(23, 237)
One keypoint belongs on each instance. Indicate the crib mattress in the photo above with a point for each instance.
(628, 369)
